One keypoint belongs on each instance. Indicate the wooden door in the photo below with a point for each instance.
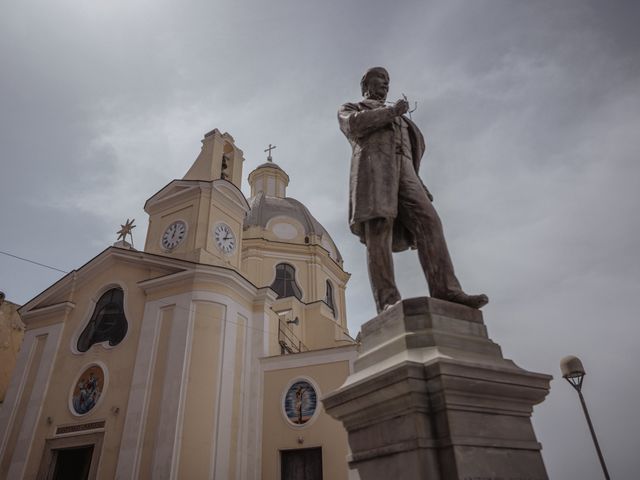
(301, 464)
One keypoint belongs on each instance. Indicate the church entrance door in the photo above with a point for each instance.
(301, 464)
(73, 463)
(75, 457)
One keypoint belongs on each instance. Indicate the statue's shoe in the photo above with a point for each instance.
(473, 301)
(389, 305)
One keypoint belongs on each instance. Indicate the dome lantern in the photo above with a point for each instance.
(269, 178)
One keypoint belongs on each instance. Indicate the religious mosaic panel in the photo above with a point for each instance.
(300, 402)
(87, 391)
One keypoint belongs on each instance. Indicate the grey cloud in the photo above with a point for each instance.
(530, 110)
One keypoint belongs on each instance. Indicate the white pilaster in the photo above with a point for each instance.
(28, 423)
(133, 434)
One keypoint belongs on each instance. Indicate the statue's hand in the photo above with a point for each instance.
(401, 107)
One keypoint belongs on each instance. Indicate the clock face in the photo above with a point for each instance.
(224, 238)
(174, 235)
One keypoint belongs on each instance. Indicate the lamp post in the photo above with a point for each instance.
(573, 372)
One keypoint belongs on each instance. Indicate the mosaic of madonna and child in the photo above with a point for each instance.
(88, 389)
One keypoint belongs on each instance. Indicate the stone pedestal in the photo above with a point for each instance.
(431, 397)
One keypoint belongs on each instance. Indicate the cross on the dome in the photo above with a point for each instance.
(271, 147)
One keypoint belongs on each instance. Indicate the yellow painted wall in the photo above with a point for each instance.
(156, 385)
(35, 357)
(278, 434)
(202, 391)
(219, 214)
(11, 334)
(313, 268)
(201, 209)
(185, 211)
(236, 414)
(67, 366)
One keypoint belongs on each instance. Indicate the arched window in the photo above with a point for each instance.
(285, 282)
(107, 323)
(328, 299)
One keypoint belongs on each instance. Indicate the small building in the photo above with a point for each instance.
(11, 333)
(203, 356)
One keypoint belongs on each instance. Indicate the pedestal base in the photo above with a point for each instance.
(431, 397)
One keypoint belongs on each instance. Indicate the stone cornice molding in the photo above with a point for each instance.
(101, 261)
(203, 274)
(312, 357)
(264, 248)
(55, 309)
(174, 192)
(234, 199)
(183, 190)
(265, 296)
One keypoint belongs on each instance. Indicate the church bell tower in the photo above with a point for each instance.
(199, 218)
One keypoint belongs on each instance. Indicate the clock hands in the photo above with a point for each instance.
(173, 235)
(224, 238)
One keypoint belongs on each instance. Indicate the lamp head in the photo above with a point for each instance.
(573, 371)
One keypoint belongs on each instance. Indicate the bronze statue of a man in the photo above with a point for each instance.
(389, 207)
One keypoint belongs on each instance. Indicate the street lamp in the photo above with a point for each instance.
(573, 372)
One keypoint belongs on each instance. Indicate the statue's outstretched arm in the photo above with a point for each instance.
(358, 123)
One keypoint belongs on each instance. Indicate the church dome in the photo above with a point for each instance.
(264, 208)
(269, 164)
(270, 208)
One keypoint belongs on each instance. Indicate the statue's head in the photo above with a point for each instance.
(375, 83)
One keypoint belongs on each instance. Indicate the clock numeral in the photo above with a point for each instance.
(224, 238)
(173, 235)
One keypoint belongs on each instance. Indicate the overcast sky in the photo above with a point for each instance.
(531, 115)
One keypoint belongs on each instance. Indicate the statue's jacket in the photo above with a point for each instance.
(375, 170)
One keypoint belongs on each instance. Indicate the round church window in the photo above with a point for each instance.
(300, 402)
(87, 390)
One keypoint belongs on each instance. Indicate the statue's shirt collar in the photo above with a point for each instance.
(373, 103)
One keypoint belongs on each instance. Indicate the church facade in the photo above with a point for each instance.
(203, 356)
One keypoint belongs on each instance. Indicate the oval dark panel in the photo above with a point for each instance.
(107, 323)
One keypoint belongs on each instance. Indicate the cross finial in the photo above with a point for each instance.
(271, 147)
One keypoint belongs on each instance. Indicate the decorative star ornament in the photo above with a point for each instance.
(126, 230)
